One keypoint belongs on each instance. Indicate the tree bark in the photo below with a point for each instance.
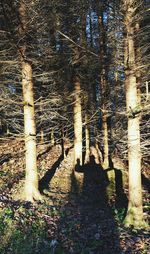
(31, 180)
(105, 141)
(52, 137)
(87, 140)
(103, 84)
(135, 210)
(77, 114)
(63, 142)
(42, 136)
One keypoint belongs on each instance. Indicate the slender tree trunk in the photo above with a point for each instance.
(31, 180)
(52, 137)
(42, 136)
(77, 123)
(103, 84)
(8, 131)
(135, 210)
(41, 130)
(63, 142)
(91, 31)
(105, 141)
(147, 90)
(87, 140)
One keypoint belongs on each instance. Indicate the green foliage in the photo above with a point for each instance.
(22, 232)
(120, 214)
(3, 173)
(2, 225)
(8, 213)
(6, 217)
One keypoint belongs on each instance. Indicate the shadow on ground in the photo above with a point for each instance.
(44, 152)
(146, 182)
(87, 224)
(45, 180)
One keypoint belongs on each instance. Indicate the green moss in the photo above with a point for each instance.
(133, 220)
(111, 186)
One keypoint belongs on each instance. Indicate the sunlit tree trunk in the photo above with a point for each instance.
(42, 136)
(135, 210)
(41, 130)
(87, 140)
(147, 91)
(8, 131)
(31, 180)
(52, 137)
(105, 142)
(77, 114)
(103, 84)
(63, 142)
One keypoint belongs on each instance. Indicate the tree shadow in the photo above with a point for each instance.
(44, 152)
(45, 180)
(121, 200)
(67, 150)
(87, 223)
(146, 182)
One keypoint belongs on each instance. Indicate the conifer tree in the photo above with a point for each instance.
(135, 210)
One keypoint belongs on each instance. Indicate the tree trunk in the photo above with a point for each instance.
(52, 137)
(103, 87)
(42, 136)
(87, 140)
(77, 123)
(147, 91)
(41, 130)
(135, 210)
(105, 141)
(63, 142)
(31, 181)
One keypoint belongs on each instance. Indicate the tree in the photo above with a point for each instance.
(31, 181)
(103, 85)
(135, 210)
(77, 114)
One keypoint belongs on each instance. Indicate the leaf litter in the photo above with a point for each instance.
(76, 215)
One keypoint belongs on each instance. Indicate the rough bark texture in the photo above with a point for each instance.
(31, 181)
(52, 138)
(87, 140)
(103, 87)
(135, 211)
(77, 123)
(63, 142)
(105, 140)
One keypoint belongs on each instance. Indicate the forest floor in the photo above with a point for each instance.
(78, 215)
